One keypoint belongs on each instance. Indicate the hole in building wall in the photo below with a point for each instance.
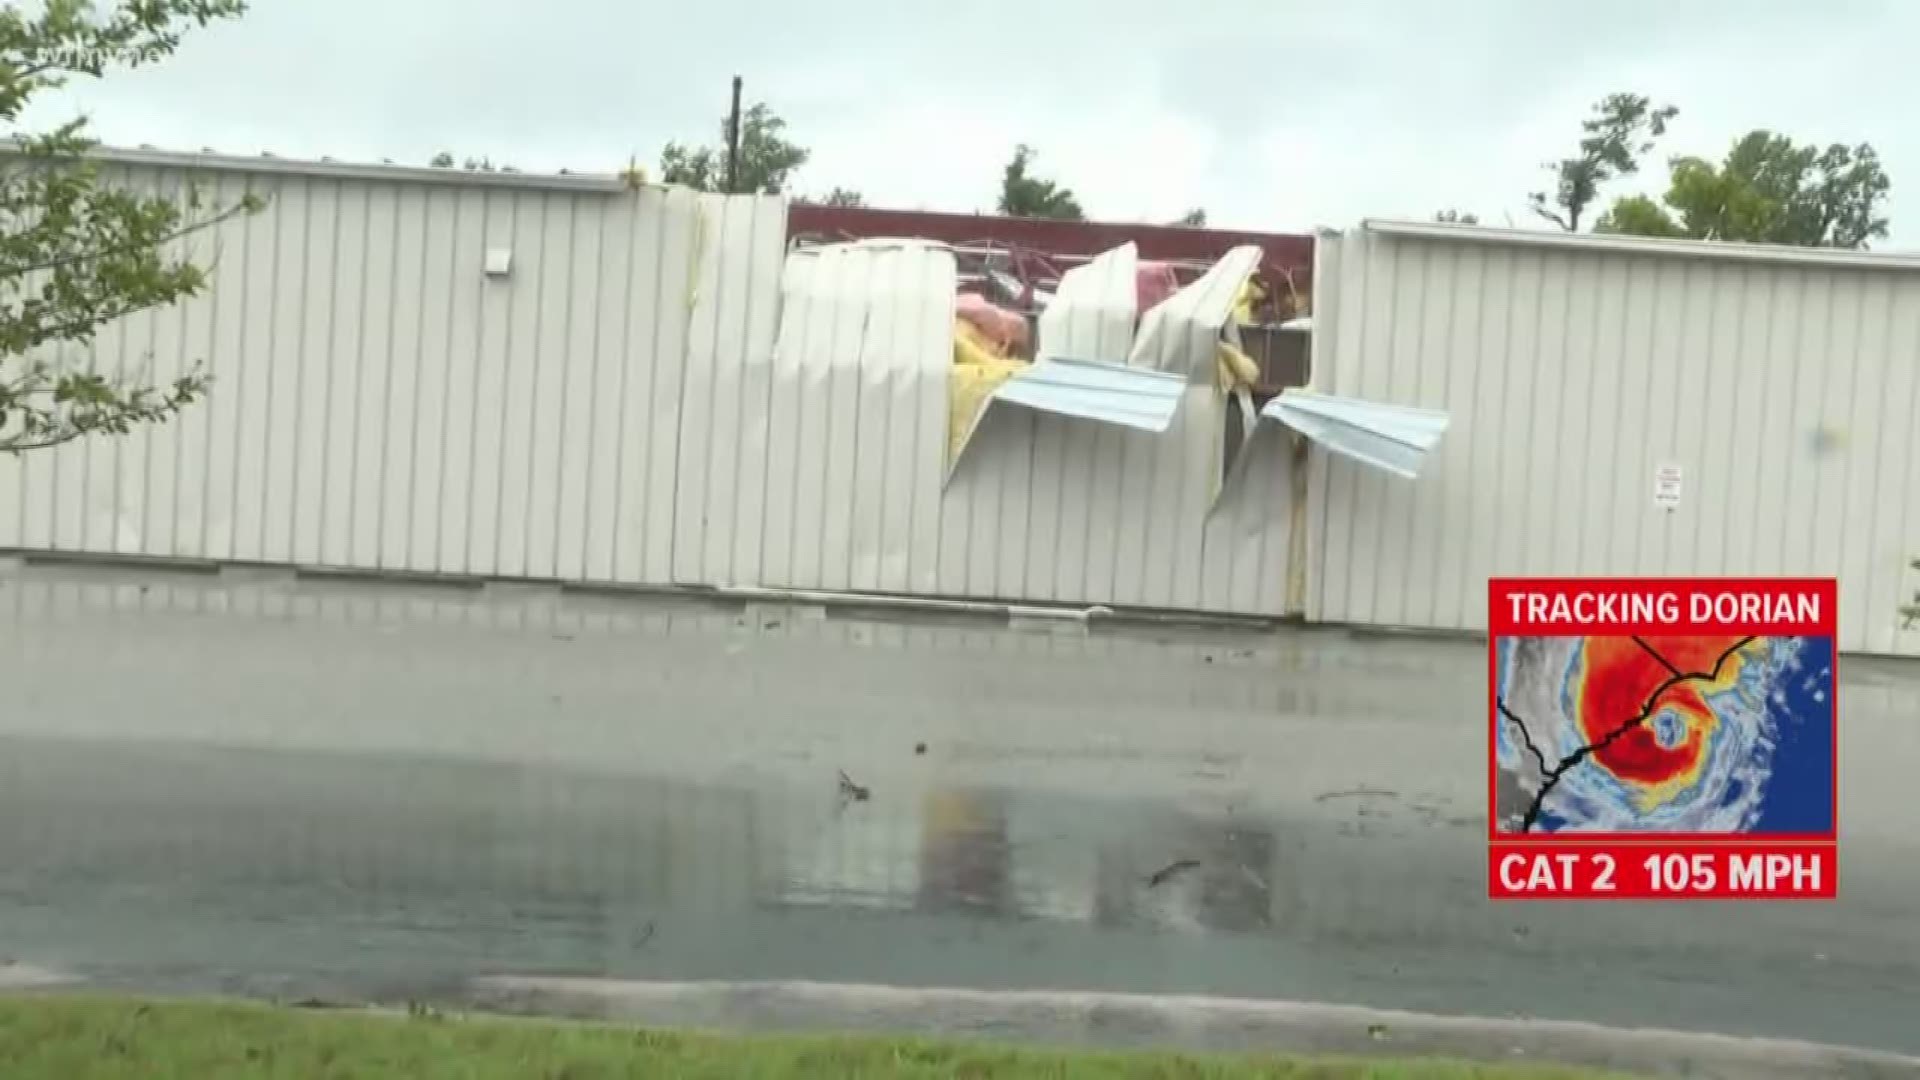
(1285, 359)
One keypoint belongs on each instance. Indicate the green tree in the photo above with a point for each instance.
(767, 159)
(1195, 218)
(1637, 215)
(444, 160)
(1621, 131)
(1024, 195)
(1767, 189)
(1456, 217)
(837, 197)
(76, 251)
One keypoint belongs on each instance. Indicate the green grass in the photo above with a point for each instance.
(80, 1038)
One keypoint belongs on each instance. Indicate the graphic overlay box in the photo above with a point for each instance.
(1662, 739)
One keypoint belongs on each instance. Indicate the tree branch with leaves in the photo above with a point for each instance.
(838, 197)
(1621, 131)
(1767, 190)
(1024, 195)
(766, 161)
(77, 252)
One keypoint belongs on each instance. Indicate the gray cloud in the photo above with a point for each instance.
(1272, 113)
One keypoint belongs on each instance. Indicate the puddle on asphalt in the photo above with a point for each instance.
(445, 844)
(301, 875)
(194, 867)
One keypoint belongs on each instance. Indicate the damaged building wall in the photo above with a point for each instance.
(1039, 507)
(559, 378)
(1767, 393)
(1050, 508)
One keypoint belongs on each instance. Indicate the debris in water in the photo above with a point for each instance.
(1165, 873)
(851, 790)
(1356, 793)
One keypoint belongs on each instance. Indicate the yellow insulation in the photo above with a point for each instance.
(1235, 369)
(1251, 295)
(970, 346)
(978, 370)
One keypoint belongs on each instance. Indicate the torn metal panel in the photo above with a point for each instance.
(1396, 438)
(1011, 285)
(1110, 393)
(1137, 398)
(1180, 333)
(859, 392)
(1237, 375)
(1093, 312)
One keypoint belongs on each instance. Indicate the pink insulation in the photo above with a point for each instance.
(1154, 282)
(1003, 329)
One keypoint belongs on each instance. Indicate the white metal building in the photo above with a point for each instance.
(1773, 387)
(503, 375)
(560, 377)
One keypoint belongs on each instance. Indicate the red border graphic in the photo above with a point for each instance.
(1651, 865)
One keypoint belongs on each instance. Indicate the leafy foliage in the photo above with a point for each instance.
(844, 197)
(76, 252)
(1024, 195)
(1766, 190)
(1195, 218)
(1456, 217)
(1621, 131)
(444, 160)
(767, 159)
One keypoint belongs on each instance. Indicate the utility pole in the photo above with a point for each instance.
(733, 141)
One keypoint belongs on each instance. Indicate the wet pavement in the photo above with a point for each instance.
(358, 791)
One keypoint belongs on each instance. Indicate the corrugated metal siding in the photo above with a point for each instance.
(1570, 374)
(1041, 508)
(379, 403)
(859, 439)
(1048, 508)
(614, 410)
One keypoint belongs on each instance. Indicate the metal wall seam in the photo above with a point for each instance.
(708, 351)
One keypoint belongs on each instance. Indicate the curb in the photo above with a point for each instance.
(1186, 1022)
(1045, 617)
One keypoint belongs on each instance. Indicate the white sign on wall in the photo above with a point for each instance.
(1666, 485)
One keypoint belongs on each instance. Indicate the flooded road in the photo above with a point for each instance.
(355, 791)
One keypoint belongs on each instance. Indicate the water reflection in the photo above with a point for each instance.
(1197, 873)
(965, 856)
(362, 876)
(572, 869)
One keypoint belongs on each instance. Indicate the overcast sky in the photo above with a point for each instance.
(1271, 114)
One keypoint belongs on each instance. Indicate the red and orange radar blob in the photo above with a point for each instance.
(1618, 682)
